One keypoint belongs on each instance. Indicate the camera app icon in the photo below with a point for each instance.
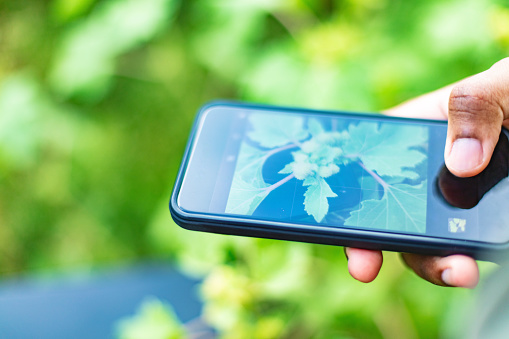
(457, 225)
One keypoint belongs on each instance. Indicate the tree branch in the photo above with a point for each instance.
(279, 183)
(374, 175)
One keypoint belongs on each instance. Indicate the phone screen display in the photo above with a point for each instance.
(349, 171)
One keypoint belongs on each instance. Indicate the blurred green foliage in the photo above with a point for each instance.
(96, 101)
(154, 320)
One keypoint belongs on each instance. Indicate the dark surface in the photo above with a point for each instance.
(89, 306)
(467, 192)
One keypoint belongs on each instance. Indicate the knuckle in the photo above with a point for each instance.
(474, 104)
(424, 266)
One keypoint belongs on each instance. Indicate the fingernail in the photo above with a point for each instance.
(466, 154)
(446, 277)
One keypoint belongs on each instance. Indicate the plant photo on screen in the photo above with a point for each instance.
(97, 99)
(365, 174)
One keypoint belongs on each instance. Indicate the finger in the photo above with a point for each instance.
(363, 265)
(433, 105)
(477, 108)
(455, 270)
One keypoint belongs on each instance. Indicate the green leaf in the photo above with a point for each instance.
(65, 10)
(20, 120)
(245, 196)
(248, 187)
(315, 198)
(316, 156)
(369, 187)
(309, 181)
(287, 169)
(154, 319)
(250, 162)
(387, 148)
(273, 130)
(86, 59)
(402, 208)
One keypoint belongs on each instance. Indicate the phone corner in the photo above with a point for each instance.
(214, 103)
(176, 213)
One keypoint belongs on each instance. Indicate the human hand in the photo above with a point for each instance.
(476, 108)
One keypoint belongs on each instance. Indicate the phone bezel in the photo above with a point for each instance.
(368, 239)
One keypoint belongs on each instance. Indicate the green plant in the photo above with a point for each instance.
(96, 101)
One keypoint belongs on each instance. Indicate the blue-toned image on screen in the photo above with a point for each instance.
(332, 171)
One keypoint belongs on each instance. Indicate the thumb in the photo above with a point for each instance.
(478, 106)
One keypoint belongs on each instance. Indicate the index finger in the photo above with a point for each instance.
(433, 105)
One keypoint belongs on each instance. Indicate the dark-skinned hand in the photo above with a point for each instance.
(476, 109)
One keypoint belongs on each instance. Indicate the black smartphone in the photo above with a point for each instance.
(338, 178)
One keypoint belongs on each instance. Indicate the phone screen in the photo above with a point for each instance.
(349, 171)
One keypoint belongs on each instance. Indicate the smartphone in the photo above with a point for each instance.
(338, 178)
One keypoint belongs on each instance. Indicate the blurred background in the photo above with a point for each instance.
(97, 98)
